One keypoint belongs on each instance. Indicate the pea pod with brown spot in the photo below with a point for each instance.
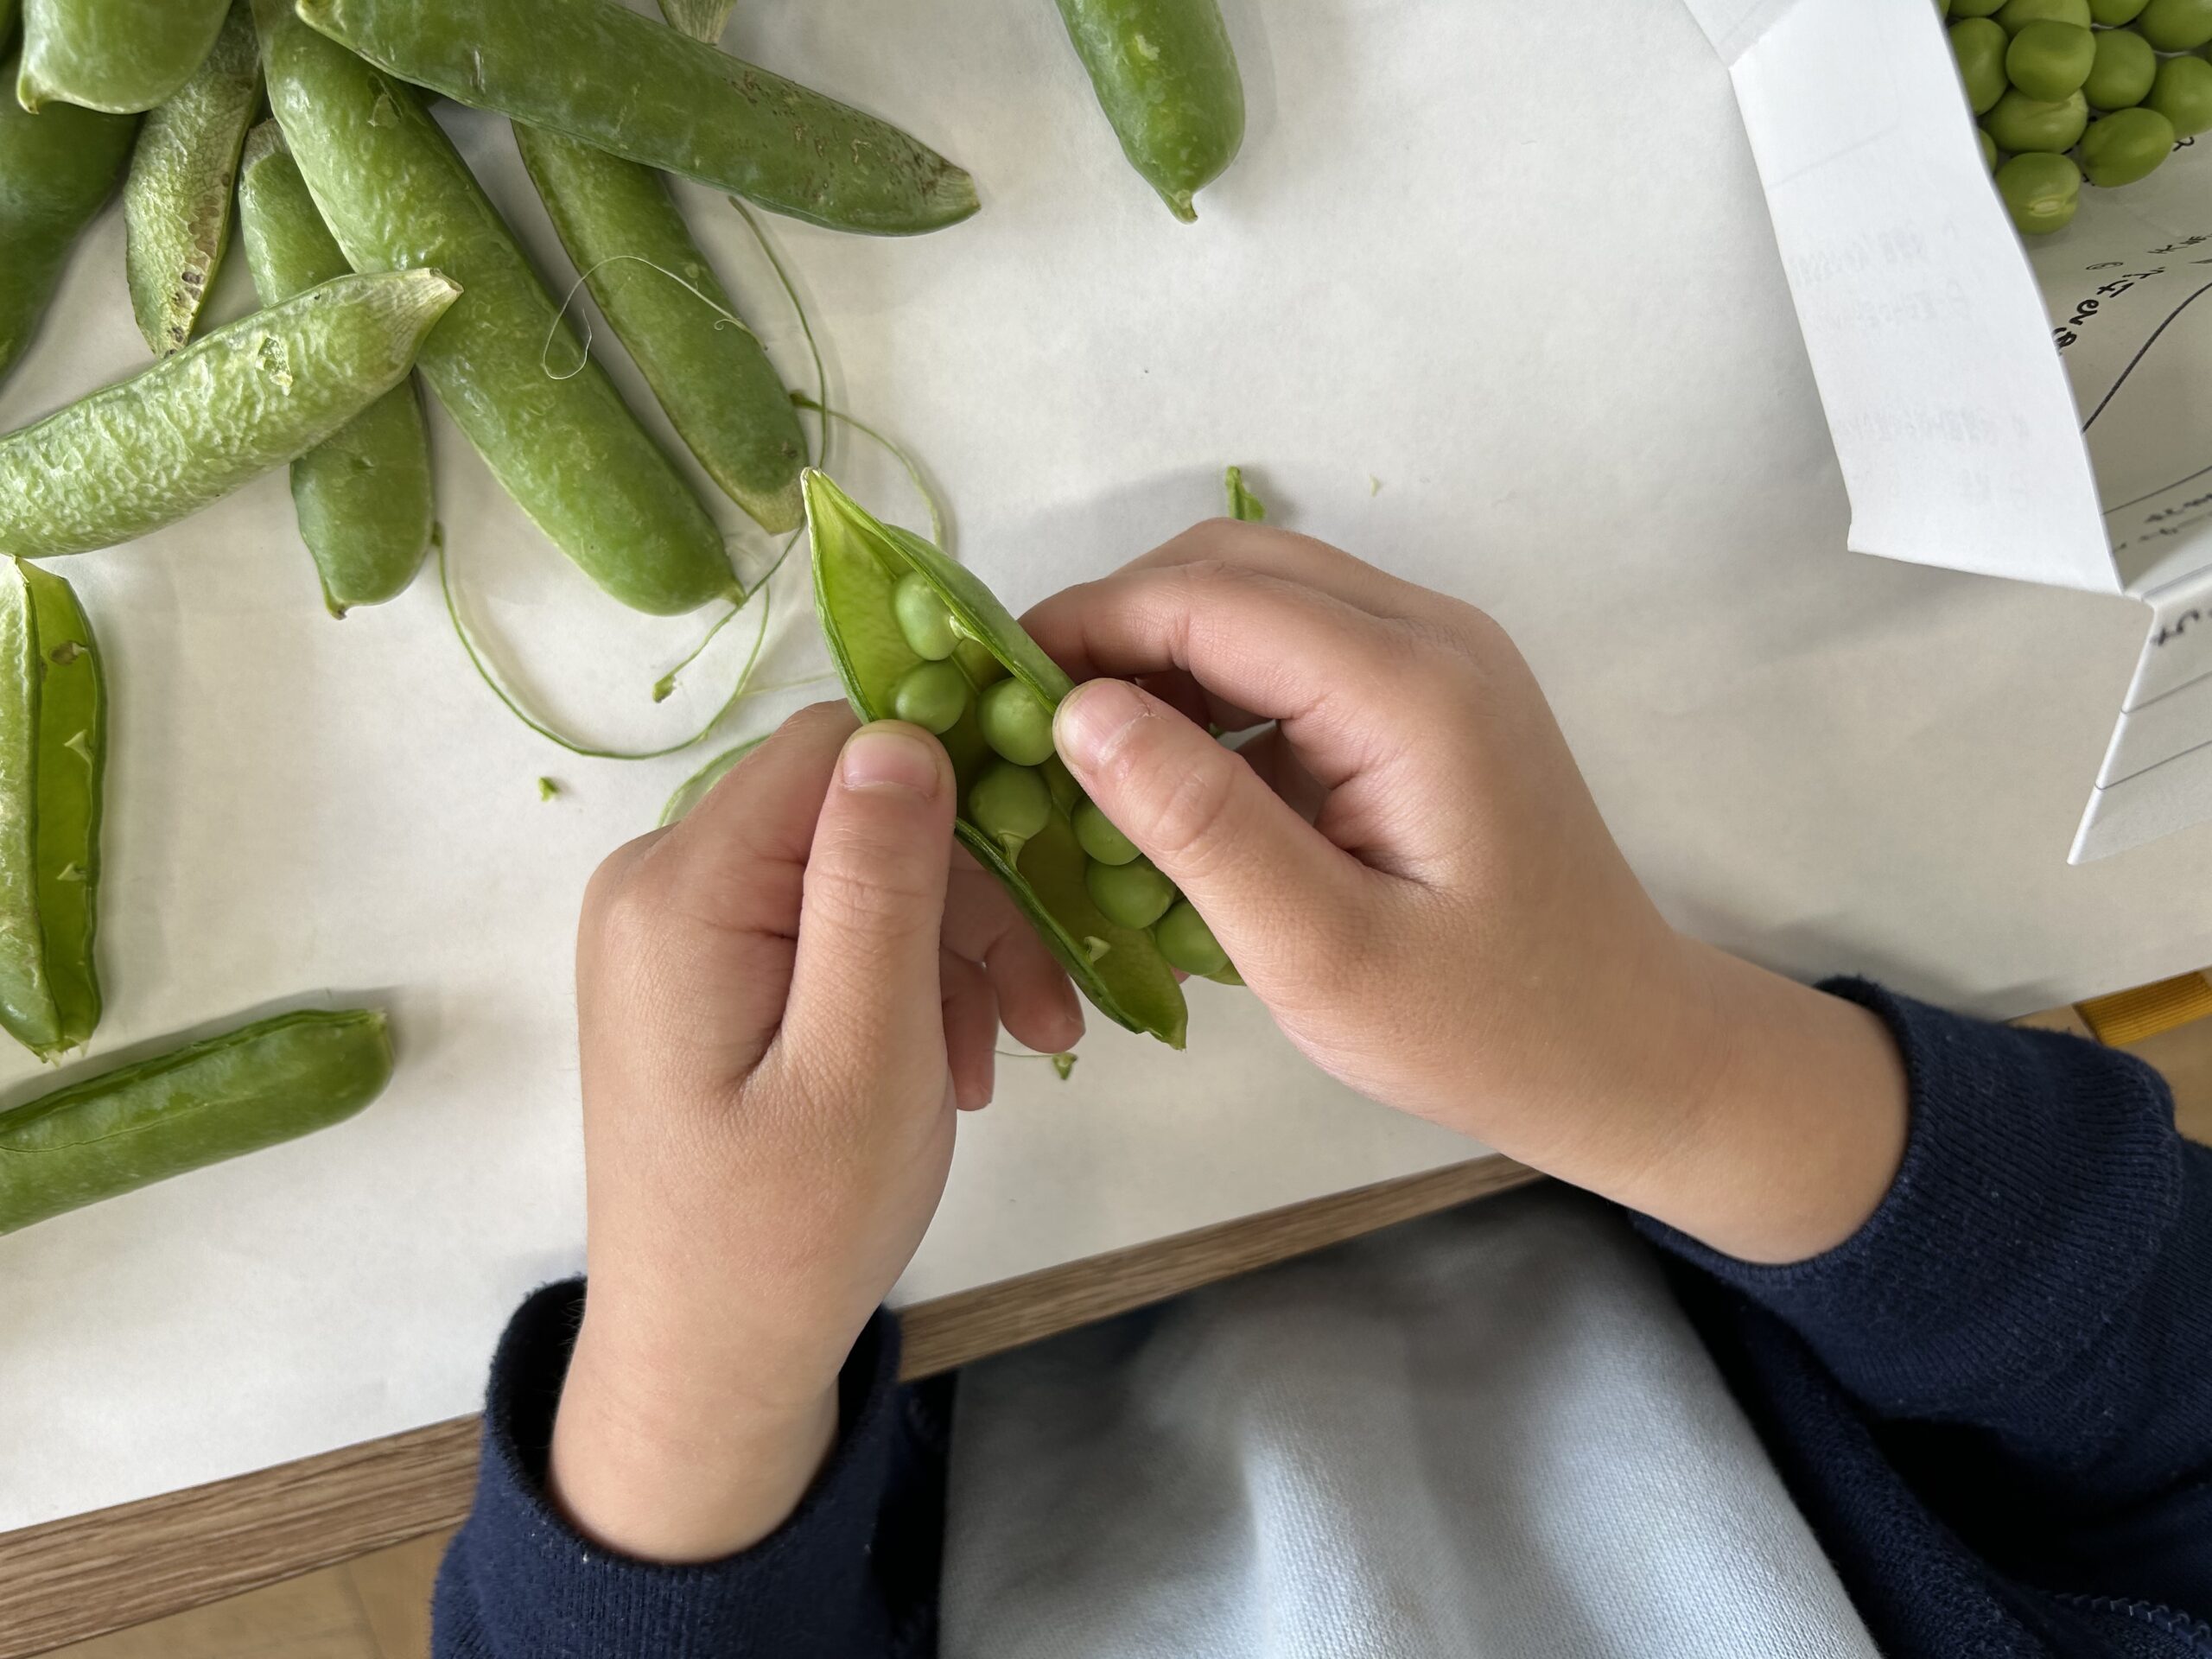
(52, 757)
(859, 564)
(262, 1083)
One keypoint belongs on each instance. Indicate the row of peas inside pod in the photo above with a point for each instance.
(1015, 796)
(916, 636)
(2069, 91)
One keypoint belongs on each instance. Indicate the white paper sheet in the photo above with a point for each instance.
(1502, 313)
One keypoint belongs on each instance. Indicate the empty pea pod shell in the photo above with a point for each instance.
(550, 425)
(53, 748)
(149, 451)
(57, 170)
(119, 56)
(623, 231)
(272, 1081)
(577, 67)
(1166, 77)
(363, 495)
(858, 563)
(176, 200)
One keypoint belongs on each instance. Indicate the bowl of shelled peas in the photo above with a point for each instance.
(2071, 92)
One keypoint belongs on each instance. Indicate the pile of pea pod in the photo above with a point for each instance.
(2075, 91)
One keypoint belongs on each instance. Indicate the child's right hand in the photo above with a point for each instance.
(1411, 873)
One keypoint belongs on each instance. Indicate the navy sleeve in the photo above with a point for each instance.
(2026, 1321)
(851, 1575)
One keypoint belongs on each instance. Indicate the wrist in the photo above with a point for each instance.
(666, 1462)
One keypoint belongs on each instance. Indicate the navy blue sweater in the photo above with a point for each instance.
(1994, 1403)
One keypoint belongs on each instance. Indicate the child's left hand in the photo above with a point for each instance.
(779, 1011)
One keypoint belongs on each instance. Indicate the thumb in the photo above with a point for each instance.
(872, 905)
(1212, 825)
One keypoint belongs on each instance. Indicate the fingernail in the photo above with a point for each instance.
(1091, 717)
(880, 757)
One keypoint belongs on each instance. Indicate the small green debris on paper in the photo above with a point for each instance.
(1244, 505)
(547, 789)
(1374, 486)
(1061, 1063)
(1064, 1064)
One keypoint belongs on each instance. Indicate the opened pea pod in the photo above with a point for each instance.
(915, 636)
(53, 745)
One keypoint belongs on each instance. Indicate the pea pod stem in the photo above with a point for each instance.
(120, 56)
(702, 20)
(177, 201)
(262, 1083)
(57, 170)
(576, 69)
(149, 451)
(396, 195)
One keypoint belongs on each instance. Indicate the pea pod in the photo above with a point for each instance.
(363, 495)
(657, 290)
(53, 748)
(859, 567)
(397, 194)
(122, 56)
(147, 452)
(1165, 75)
(56, 171)
(177, 201)
(272, 1081)
(577, 68)
(7, 21)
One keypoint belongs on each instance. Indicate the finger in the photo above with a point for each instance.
(1332, 674)
(1036, 1002)
(1270, 886)
(1270, 754)
(1268, 551)
(864, 981)
(971, 1030)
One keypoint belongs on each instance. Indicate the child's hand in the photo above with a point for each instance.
(1413, 876)
(779, 1011)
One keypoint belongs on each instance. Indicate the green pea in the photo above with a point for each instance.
(1135, 894)
(269, 1082)
(2017, 15)
(53, 749)
(1979, 45)
(57, 170)
(2020, 123)
(2049, 60)
(363, 495)
(1067, 794)
(2176, 25)
(2121, 78)
(557, 435)
(1988, 148)
(1011, 805)
(576, 69)
(122, 56)
(147, 452)
(672, 313)
(1016, 723)
(176, 201)
(859, 564)
(1101, 839)
(923, 619)
(1975, 8)
(976, 662)
(2125, 146)
(933, 696)
(2041, 192)
(1185, 940)
(2113, 13)
(1165, 75)
(2183, 93)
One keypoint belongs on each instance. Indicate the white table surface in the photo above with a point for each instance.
(1496, 307)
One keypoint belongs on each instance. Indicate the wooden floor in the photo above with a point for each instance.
(378, 1607)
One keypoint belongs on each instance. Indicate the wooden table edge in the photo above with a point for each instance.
(86, 1575)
